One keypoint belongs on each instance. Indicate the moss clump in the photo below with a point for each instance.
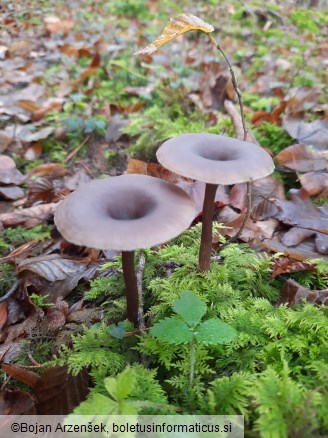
(272, 137)
(13, 237)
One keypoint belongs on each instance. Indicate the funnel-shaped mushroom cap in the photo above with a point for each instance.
(215, 159)
(124, 213)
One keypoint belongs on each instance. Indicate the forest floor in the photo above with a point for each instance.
(76, 104)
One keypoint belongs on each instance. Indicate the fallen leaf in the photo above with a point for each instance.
(196, 191)
(16, 402)
(58, 392)
(300, 211)
(264, 192)
(177, 26)
(8, 172)
(5, 140)
(314, 182)
(313, 133)
(301, 159)
(33, 152)
(29, 378)
(9, 351)
(27, 136)
(296, 235)
(29, 217)
(58, 25)
(284, 265)
(271, 117)
(11, 192)
(293, 293)
(52, 267)
(304, 251)
(57, 314)
(3, 315)
(51, 170)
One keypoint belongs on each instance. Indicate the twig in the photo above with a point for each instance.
(234, 83)
(11, 291)
(34, 362)
(237, 123)
(140, 272)
(80, 146)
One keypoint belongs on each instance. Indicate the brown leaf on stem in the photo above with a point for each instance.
(176, 27)
(301, 159)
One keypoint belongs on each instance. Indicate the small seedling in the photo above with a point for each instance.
(187, 327)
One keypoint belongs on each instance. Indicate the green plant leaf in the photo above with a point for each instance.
(125, 383)
(172, 331)
(190, 307)
(98, 403)
(117, 331)
(213, 331)
(111, 386)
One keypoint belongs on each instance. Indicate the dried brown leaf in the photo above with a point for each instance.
(176, 27)
(293, 293)
(29, 217)
(16, 402)
(11, 192)
(56, 315)
(8, 172)
(313, 133)
(58, 392)
(52, 267)
(300, 158)
(264, 192)
(29, 378)
(284, 265)
(314, 182)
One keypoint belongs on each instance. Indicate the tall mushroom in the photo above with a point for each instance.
(214, 159)
(125, 213)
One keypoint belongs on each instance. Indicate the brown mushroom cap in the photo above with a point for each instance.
(215, 159)
(124, 213)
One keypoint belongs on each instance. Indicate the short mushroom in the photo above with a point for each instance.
(125, 213)
(214, 159)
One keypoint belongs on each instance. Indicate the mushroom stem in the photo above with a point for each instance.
(131, 289)
(206, 239)
(246, 217)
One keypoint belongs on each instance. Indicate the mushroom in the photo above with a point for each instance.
(125, 213)
(214, 159)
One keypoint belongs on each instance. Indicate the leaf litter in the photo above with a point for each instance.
(47, 62)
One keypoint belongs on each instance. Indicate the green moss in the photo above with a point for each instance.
(13, 237)
(272, 136)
